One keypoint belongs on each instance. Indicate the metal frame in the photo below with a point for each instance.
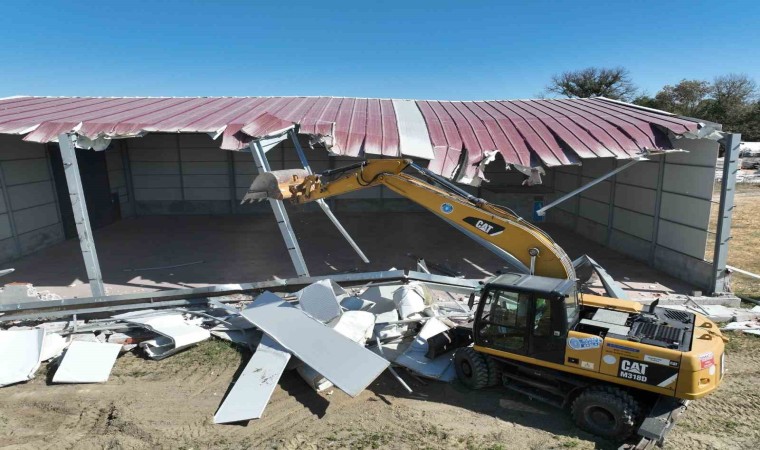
(574, 192)
(322, 204)
(185, 297)
(719, 281)
(81, 218)
(283, 221)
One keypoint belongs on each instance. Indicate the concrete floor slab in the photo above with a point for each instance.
(238, 249)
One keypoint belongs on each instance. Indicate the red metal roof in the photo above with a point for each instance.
(526, 133)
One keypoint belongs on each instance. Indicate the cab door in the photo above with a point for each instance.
(504, 320)
(548, 333)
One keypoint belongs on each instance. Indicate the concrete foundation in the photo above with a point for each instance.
(249, 248)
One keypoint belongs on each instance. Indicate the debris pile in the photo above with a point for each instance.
(332, 337)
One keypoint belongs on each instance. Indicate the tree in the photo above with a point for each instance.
(687, 98)
(732, 103)
(614, 83)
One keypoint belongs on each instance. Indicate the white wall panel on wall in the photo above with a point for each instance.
(686, 210)
(683, 239)
(644, 173)
(31, 194)
(25, 171)
(696, 181)
(154, 168)
(166, 154)
(146, 195)
(156, 181)
(599, 192)
(203, 154)
(205, 168)
(639, 225)
(207, 194)
(593, 210)
(635, 198)
(206, 181)
(31, 219)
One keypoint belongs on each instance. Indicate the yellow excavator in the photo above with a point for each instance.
(619, 367)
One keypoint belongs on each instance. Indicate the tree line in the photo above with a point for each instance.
(732, 100)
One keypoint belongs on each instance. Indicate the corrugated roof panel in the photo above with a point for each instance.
(642, 139)
(391, 136)
(609, 136)
(373, 142)
(668, 121)
(538, 138)
(526, 133)
(447, 143)
(357, 129)
(583, 144)
(516, 151)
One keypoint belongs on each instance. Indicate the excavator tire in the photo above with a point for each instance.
(494, 371)
(606, 411)
(472, 368)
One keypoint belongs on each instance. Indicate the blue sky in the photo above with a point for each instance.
(403, 49)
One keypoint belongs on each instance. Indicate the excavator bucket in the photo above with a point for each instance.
(274, 185)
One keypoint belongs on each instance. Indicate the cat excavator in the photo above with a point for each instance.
(618, 366)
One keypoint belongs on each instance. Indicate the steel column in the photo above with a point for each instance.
(590, 184)
(322, 204)
(731, 143)
(81, 218)
(262, 165)
(657, 208)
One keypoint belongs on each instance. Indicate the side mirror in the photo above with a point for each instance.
(471, 301)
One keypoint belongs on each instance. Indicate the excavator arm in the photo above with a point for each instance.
(525, 247)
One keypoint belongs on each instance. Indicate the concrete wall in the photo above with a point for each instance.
(656, 211)
(29, 216)
(189, 174)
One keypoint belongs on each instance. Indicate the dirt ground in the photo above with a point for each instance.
(170, 404)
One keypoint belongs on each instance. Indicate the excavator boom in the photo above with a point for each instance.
(524, 246)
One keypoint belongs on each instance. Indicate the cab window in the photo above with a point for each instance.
(505, 320)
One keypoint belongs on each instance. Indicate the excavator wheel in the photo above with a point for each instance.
(472, 368)
(494, 371)
(606, 411)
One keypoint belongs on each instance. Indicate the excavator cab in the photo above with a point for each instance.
(526, 315)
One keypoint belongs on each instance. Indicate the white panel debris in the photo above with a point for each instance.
(355, 325)
(381, 296)
(52, 346)
(346, 364)
(87, 362)
(320, 301)
(414, 139)
(21, 351)
(385, 330)
(356, 304)
(440, 368)
(176, 333)
(410, 299)
(255, 385)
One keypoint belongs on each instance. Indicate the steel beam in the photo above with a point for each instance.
(730, 141)
(81, 218)
(322, 204)
(586, 186)
(283, 221)
(195, 296)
